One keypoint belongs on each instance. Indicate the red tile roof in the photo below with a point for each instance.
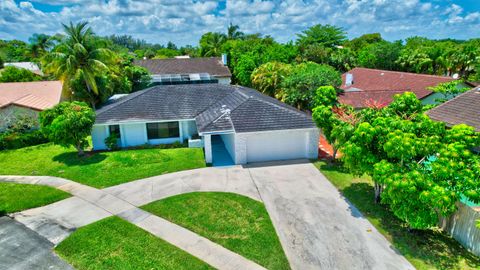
(381, 85)
(463, 109)
(35, 95)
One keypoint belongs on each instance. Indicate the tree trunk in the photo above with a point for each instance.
(79, 148)
(334, 154)
(378, 192)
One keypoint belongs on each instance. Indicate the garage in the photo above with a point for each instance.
(279, 145)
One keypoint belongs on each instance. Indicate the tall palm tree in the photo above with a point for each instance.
(233, 33)
(79, 57)
(211, 44)
(40, 44)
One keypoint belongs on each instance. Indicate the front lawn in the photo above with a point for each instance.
(99, 170)
(17, 197)
(424, 249)
(236, 222)
(113, 243)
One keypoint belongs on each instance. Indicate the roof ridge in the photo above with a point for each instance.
(403, 72)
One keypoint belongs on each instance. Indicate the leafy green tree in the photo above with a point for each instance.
(326, 35)
(15, 51)
(449, 90)
(363, 41)
(304, 79)
(420, 168)
(248, 54)
(149, 54)
(79, 57)
(336, 121)
(166, 53)
(380, 55)
(211, 44)
(1, 62)
(268, 78)
(68, 124)
(13, 74)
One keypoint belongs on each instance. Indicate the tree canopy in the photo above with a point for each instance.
(13, 74)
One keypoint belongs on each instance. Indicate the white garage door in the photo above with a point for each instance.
(276, 146)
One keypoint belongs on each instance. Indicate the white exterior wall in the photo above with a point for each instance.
(135, 134)
(276, 145)
(99, 133)
(229, 142)
(207, 142)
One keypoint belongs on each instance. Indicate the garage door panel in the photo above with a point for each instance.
(276, 146)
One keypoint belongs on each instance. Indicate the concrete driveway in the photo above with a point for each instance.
(22, 248)
(318, 228)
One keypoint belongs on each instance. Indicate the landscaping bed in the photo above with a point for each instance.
(426, 249)
(236, 222)
(99, 169)
(17, 197)
(113, 243)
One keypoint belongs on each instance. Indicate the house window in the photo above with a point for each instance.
(162, 130)
(114, 129)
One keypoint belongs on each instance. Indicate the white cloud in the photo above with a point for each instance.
(184, 21)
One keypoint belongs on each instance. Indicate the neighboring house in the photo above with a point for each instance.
(27, 99)
(463, 109)
(239, 122)
(364, 87)
(26, 65)
(187, 70)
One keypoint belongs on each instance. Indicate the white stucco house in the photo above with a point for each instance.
(239, 122)
(182, 70)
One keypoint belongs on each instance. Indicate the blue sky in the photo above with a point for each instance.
(184, 21)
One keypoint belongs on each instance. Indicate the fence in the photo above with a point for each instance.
(462, 227)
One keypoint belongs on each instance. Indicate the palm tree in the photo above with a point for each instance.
(233, 33)
(40, 44)
(79, 57)
(211, 43)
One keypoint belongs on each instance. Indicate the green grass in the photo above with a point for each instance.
(236, 222)
(430, 249)
(101, 169)
(113, 243)
(18, 197)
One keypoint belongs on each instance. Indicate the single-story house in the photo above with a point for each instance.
(31, 66)
(363, 87)
(223, 119)
(463, 109)
(27, 99)
(187, 70)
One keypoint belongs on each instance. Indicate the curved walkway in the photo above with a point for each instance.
(56, 221)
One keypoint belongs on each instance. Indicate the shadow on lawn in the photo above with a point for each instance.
(432, 246)
(72, 158)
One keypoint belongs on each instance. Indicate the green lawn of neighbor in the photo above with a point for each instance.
(236, 222)
(424, 249)
(18, 197)
(113, 243)
(100, 169)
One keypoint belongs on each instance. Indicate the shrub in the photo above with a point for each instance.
(112, 142)
(15, 140)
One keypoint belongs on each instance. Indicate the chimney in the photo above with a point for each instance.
(224, 59)
(348, 79)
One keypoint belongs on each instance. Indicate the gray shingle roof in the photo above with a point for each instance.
(210, 65)
(463, 109)
(215, 108)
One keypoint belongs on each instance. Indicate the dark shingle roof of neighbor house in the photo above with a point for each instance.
(214, 107)
(381, 85)
(210, 65)
(463, 109)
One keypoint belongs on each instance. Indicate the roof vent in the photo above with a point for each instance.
(349, 79)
